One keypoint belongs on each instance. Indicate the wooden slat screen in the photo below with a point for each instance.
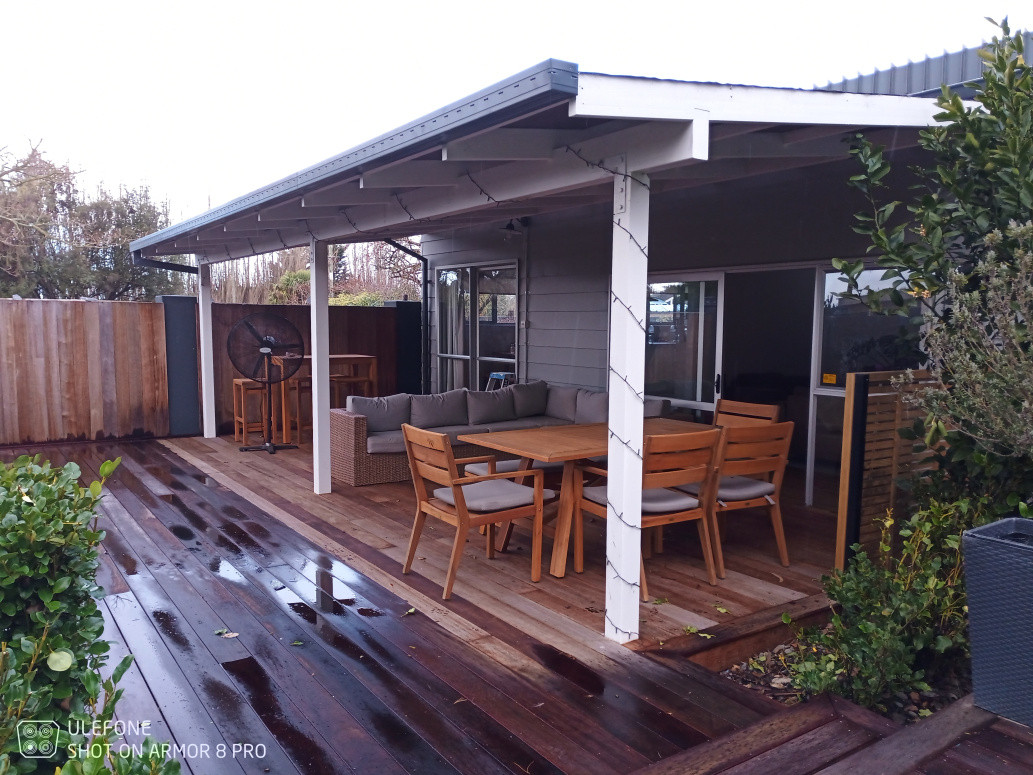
(76, 370)
(354, 330)
(875, 456)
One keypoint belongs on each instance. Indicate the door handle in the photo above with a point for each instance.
(717, 385)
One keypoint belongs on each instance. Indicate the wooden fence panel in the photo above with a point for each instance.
(875, 456)
(81, 370)
(353, 330)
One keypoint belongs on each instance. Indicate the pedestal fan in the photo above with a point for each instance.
(268, 349)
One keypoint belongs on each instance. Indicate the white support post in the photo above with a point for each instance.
(204, 306)
(628, 292)
(319, 295)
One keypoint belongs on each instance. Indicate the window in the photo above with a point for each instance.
(472, 347)
(854, 338)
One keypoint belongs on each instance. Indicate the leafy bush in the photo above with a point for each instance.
(901, 619)
(51, 651)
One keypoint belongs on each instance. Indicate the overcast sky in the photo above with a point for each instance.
(206, 101)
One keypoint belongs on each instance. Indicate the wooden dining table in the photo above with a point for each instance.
(566, 444)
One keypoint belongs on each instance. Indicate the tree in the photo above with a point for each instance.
(979, 180)
(961, 248)
(33, 194)
(57, 244)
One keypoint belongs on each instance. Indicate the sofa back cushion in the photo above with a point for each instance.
(592, 406)
(439, 409)
(490, 406)
(562, 402)
(654, 407)
(530, 398)
(383, 413)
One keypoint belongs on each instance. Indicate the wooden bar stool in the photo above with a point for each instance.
(294, 407)
(242, 424)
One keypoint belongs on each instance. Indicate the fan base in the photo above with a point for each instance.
(268, 447)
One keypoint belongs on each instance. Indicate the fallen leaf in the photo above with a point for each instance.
(221, 631)
(410, 612)
(298, 643)
(461, 699)
(230, 635)
(721, 609)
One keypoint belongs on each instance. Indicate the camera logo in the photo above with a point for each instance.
(37, 739)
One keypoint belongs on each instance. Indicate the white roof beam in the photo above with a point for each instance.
(506, 145)
(413, 174)
(606, 96)
(648, 147)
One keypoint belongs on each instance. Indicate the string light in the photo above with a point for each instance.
(404, 208)
(484, 193)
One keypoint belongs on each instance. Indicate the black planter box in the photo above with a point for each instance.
(999, 581)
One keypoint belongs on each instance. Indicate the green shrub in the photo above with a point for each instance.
(51, 651)
(901, 618)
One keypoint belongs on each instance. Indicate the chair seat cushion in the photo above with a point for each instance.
(503, 466)
(736, 488)
(493, 495)
(655, 501)
(385, 441)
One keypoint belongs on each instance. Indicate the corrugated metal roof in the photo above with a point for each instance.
(923, 78)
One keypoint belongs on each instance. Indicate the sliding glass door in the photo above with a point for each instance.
(478, 338)
(683, 340)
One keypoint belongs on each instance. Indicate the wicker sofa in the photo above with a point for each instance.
(366, 444)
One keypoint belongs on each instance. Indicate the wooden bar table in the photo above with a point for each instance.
(566, 444)
(341, 366)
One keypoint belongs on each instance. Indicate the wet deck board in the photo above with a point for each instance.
(329, 671)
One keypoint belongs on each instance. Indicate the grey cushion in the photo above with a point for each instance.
(736, 488)
(490, 406)
(385, 441)
(535, 421)
(653, 407)
(530, 398)
(655, 501)
(440, 409)
(383, 413)
(592, 406)
(453, 431)
(502, 466)
(494, 495)
(562, 402)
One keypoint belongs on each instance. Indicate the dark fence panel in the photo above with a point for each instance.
(353, 330)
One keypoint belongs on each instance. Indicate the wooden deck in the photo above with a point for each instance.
(329, 672)
(337, 663)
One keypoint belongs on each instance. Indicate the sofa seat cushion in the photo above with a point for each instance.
(736, 488)
(530, 398)
(537, 421)
(490, 406)
(454, 431)
(655, 501)
(383, 413)
(493, 495)
(505, 466)
(385, 441)
(440, 409)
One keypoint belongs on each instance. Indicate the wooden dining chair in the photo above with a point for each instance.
(738, 413)
(668, 462)
(751, 461)
(467, 502)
